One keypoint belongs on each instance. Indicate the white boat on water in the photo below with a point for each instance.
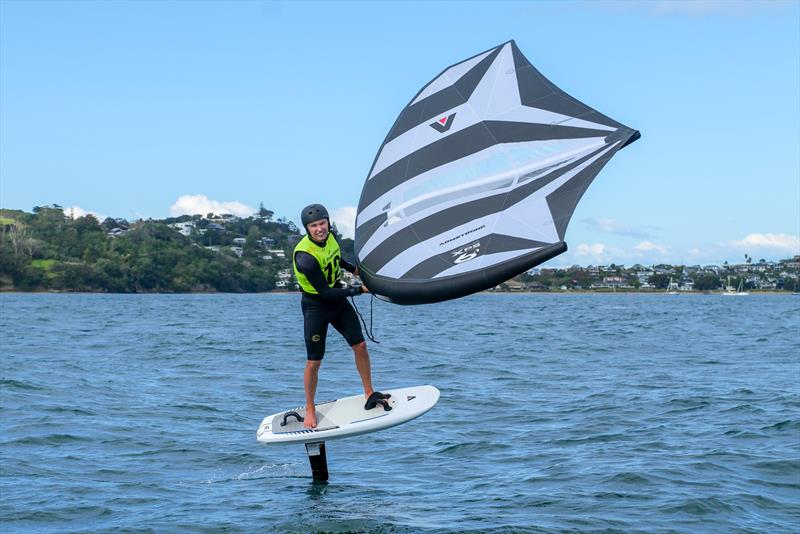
(730, 291)
(672, 288)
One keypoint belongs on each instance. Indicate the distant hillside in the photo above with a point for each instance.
(47, 250)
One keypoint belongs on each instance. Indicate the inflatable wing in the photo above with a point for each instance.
(477, 180)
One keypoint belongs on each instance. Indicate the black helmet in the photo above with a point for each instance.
(312, 213)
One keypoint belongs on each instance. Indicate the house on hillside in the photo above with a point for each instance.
(115, 232)
(225, 217)
(284, 279)
(347, 278)
(183, 228)
(611, 282)
(770, 284)
(513, 285)
(644, 279)
(794, 263)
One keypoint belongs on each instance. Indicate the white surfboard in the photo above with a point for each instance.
(347, 417)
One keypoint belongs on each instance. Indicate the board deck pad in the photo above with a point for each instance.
(347, 417)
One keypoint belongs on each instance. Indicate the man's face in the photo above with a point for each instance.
(318, 230)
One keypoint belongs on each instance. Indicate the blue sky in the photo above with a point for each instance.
(149, 109)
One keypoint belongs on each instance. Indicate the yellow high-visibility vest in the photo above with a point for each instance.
(329, 258)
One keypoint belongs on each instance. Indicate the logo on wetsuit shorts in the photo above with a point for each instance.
(315, 337)
(466, 253)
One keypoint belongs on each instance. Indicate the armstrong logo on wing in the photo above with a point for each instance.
(443, 124)
(466, 253)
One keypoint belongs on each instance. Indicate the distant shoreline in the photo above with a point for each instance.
(6, 291)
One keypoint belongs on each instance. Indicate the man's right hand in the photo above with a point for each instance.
(364, 288)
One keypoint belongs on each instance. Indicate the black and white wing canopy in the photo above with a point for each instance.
(477, 180)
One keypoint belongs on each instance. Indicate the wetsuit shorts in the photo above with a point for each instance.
(317, 314)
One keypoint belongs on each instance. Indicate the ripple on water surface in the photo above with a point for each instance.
(616, 413)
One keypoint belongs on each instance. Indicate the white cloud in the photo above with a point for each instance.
(714, 7)
(697, 8)
(590, 253)
(610, 226)
(768, 246)
(647, 246)
(784, 242)
(345, 220)
(645, 252)
(194, 204)
(589, 250)
(77, 211)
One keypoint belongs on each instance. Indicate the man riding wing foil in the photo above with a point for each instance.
(317, 263)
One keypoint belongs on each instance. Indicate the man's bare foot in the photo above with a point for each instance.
(310, 420)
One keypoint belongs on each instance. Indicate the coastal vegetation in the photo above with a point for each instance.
(47, 249)
(50, 250)
(760, 276)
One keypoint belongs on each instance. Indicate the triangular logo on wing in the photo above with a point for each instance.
(410, 397)
(443, 124)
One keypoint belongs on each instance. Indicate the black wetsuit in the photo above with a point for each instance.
(330, 306)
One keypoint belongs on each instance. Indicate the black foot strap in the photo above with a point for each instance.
(378, 398)
(287, 415)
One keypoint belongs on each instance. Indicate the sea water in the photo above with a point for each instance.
(580, 413)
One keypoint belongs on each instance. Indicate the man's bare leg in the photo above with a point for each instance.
(362, 364)
(310, 383)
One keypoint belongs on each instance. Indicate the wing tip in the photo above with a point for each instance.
(636, 136)
(624, 132)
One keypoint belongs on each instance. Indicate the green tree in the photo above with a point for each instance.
(706, 282)
(661, 281)
(150, 256)
(264, 213)
(252, 241)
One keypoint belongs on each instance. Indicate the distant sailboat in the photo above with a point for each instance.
(737, 292)
(672, 288)
(728, 289)
(740, 292)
